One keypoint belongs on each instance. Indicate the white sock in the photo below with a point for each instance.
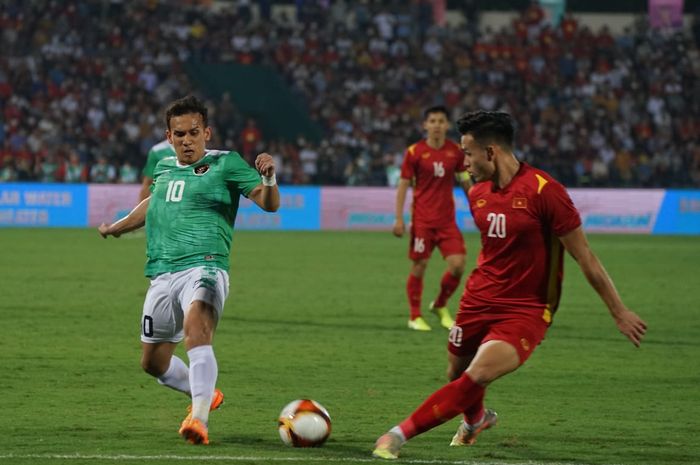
(478, 423)
(177, 376)
(203, 372)
(397, 431)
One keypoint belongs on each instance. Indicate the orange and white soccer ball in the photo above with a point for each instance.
(304, 423)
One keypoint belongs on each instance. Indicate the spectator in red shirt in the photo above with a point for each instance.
(250, 138)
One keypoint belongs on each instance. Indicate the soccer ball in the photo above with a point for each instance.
(304, 423)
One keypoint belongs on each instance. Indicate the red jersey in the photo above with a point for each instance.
(521, 264)
(432, 172)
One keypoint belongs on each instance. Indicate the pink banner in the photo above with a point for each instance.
(109, 202)
(666, 13)
(602, 210)
(367, 208)
(439, 12)
(618, 210)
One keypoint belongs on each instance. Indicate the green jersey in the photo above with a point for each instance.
(192, 210)
(159, 151)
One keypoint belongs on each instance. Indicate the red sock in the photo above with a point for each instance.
(475, 412)
(448, 284)
(414, 289)
(443, 405)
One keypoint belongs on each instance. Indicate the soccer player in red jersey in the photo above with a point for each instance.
(526, 220)
(430, 166)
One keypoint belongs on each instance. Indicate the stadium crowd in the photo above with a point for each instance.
(83, 85)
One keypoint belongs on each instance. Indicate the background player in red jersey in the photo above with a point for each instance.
(526, 218)
(430, 166)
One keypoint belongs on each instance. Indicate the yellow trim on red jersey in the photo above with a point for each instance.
(541, 183)
(547, 314)
(412, 148)
(556, 249)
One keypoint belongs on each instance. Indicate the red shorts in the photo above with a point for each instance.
(473, 328)
(447, 238)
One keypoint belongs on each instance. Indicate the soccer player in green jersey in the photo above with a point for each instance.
(159, 151)
(189, 219)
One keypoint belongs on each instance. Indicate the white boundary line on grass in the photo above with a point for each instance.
(242, 458)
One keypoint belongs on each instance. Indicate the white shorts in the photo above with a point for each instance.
(169, 298)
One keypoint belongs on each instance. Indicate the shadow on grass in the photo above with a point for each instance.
(256, 445)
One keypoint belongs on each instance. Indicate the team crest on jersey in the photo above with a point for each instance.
(201, 169)
(519, 202)
(426, 155)
(525, 344)
(480, 203)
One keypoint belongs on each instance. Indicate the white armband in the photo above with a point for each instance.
(269, 181)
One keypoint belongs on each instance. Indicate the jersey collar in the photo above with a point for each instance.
(180, 165)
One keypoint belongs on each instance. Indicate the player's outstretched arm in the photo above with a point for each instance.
(401, 190)
(134, 220)
(628, 322)
(267, 194)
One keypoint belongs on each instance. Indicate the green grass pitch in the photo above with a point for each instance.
(323, 315)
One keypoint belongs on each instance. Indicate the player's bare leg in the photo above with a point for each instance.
(199, 325)
(448, 284)
(493, 359)
(414, 290)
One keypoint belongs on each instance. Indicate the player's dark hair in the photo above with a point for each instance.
(185, 106)
(488, 127)
(436, 109)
